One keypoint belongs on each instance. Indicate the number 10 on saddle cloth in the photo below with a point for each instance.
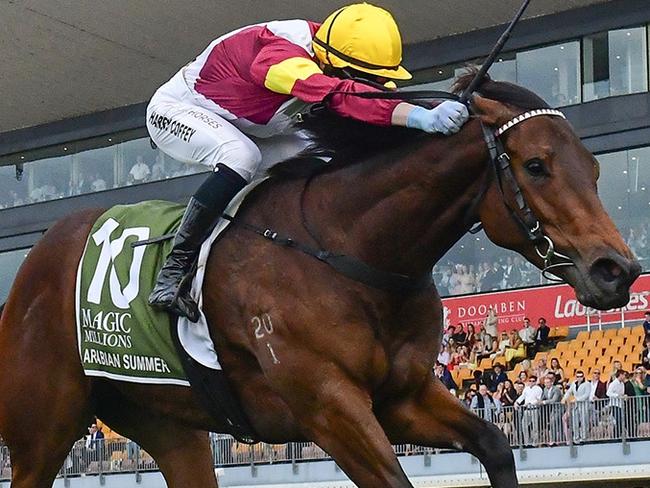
(120, 336)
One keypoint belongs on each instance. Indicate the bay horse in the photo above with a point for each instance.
(351, 364)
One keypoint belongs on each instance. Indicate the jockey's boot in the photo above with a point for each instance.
(173, 285)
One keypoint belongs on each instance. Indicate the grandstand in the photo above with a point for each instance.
(588, 350)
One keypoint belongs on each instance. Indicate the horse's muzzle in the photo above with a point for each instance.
(610, 278)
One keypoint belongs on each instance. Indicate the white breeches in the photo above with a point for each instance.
(191, 133)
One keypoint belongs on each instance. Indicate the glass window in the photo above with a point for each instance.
(553, 72)
(47, 179)
(505, 68)
(440, 78)
(624, 188)
(13, 190)
(93, 170)
(615, 63)
(117, 163)
(9, 264)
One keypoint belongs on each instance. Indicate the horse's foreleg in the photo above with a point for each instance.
(338, 416)
(434, 418)
(183, 454)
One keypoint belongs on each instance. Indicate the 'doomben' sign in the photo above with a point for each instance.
(557, 303)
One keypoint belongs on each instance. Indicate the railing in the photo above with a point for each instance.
(552, 424)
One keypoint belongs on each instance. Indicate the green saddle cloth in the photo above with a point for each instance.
(120, 336)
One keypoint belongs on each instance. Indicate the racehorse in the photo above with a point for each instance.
(345, 364)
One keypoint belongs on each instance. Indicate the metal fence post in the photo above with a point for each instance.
(138, 476)
(251, 455)
(101, 451)
(294, 465)
(627, 419)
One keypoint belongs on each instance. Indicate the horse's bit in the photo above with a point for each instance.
(523, 215)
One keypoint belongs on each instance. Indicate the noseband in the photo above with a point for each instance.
(522, 214)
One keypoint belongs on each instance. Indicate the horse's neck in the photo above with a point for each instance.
(402, 212)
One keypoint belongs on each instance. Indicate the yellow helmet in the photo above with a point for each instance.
(363, 37)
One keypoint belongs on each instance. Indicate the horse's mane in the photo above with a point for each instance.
(347, 141)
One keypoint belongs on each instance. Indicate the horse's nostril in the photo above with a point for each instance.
(607, 270)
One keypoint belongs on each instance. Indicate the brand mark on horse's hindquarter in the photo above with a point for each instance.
(262, 325)
(275, 359)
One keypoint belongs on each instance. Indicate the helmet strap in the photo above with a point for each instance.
(354, 75)
(329, 34)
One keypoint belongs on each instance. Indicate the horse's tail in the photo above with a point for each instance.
(2, 307)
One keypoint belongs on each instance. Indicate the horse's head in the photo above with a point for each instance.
(558, 177)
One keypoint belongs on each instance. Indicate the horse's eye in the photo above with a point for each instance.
(535, 167)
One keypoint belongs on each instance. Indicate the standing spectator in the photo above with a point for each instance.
(578, 392)
(443, 374)
(140, 172)
(541, 370)
(491, 323)
(498, 393)
(616, 394)
(487, 406)
(641, 389)
(646, 323)
(158, 169)
(466, 281)
(557, 370)
(645, 354)
(510, 394)
(541, 334)
(511, 274)
(468, 397)
(83, 184)
(527, 333)
(494, 378)
(443, 283)
(551, 397)
(493, 278)
(598, 387)
(98, 184)
(523, 376)
(95, 443)
(616, 367)
(530, 400)
(628, 386)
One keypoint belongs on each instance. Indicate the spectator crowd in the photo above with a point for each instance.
(541, 405)
(45, 184)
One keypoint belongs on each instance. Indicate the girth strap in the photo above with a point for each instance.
(351, 267)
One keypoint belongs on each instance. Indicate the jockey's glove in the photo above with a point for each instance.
(446, 118)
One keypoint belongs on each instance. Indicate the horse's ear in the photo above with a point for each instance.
(491, 112)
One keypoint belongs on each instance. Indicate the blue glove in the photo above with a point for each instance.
(446, 118)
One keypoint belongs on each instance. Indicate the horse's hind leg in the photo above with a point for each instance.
(433, 417)
(45, 406)
(182, 453)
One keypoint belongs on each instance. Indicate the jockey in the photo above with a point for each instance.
(253, 81)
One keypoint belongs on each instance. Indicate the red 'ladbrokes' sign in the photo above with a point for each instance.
(557, 303)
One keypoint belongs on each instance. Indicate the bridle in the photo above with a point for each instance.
(523, 215)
